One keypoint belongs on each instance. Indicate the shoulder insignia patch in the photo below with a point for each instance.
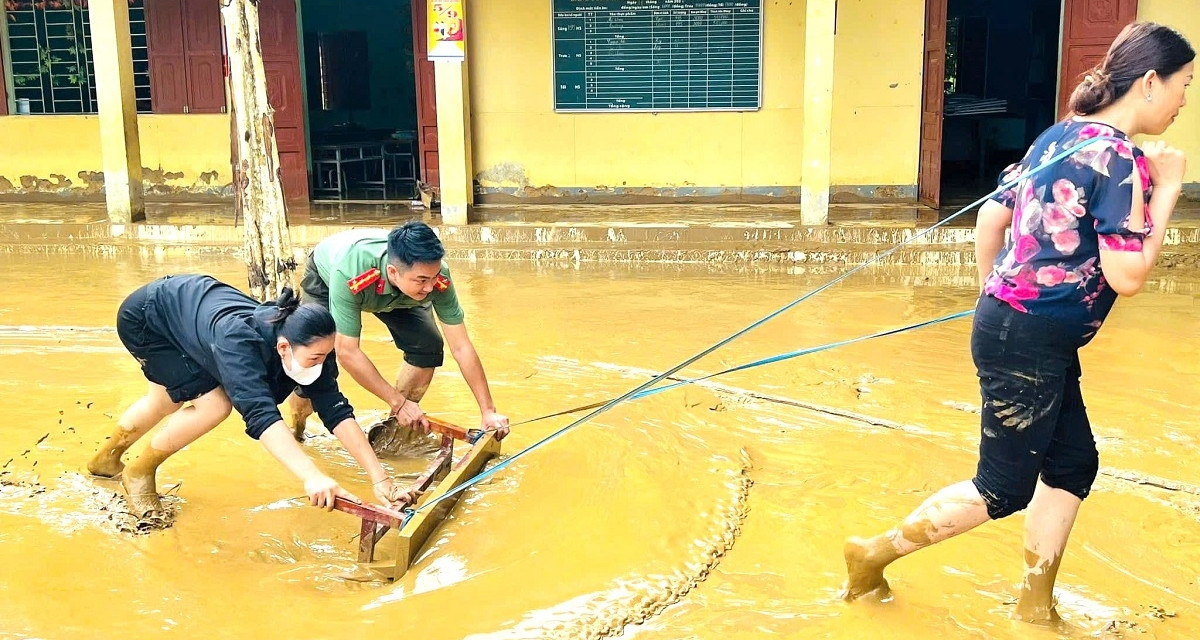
(363, 280)
(442, 283)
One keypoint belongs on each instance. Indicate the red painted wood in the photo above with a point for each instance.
(427, 133)
(168, 68)
(1089, 27)
(204, 52)
(929, 180)
(281, 60)
(369, 512)
(453, 430)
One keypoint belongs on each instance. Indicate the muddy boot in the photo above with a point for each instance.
(299, 409)
(107, 461)
(865, 561)
(383, 435)
(1036, 604)
(138, 482)
(389, 438)
(298, 423)
(1038, 614)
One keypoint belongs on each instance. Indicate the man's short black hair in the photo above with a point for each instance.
(413, 242)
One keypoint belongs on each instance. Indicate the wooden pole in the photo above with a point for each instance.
(257, 184)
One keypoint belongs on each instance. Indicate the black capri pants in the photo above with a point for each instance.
(1034, 423)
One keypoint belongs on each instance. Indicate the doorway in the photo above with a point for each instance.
(362, 95)
(998, 95)
(996, 75)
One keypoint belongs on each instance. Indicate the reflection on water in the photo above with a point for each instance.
(711, 511)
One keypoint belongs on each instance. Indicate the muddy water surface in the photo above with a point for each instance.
(708, 512)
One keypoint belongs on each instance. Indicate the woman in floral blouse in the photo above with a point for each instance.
(1084, 231)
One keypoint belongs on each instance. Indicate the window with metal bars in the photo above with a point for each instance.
(50, 54)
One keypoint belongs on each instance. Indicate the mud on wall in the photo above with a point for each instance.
(523, 149)
(182, 155)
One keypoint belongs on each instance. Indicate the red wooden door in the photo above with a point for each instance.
(1089, 27)
(427, 134)
(933, 95)
(168, 74)
(186, 56)
(281, 60)
(204, 54)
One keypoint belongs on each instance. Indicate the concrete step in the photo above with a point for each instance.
(565, 242)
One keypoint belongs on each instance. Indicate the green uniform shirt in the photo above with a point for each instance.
(347, 255)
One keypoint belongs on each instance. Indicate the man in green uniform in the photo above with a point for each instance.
(399, 276)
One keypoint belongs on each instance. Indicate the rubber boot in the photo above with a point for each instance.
(390, 439)
(1036, 604)
(299, 409)
(107, 461)
(138, 482)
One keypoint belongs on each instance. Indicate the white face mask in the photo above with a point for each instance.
(302, 375)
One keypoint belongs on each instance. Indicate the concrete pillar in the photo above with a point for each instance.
(454, 140)
(819, 18)
(112, 55)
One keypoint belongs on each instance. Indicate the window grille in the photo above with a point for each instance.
(51, 55)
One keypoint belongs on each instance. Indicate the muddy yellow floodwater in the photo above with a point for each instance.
(709, 512)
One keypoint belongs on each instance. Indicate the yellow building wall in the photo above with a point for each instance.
(521, 145)
(879, 64)
(181, 155)
(1183, 16)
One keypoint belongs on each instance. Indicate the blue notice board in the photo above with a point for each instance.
(658, 55)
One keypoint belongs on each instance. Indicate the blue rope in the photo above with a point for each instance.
(757, 323)
(592, 405)
(804, 352)
(749, 365)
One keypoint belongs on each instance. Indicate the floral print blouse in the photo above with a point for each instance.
(1062, 217)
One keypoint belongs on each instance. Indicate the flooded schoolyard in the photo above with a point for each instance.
(712, 511)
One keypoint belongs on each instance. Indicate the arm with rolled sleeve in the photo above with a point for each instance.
(344, 306)
(445, 303)
(1129, 230)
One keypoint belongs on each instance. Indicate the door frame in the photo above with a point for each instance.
(288, 54)
(5, 72)
(1079, 46)
(426, 95)
(929, 149)
(1063, 83)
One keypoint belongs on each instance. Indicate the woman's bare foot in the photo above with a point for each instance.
(865, 561)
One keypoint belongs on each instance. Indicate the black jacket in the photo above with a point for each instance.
(231, 336)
